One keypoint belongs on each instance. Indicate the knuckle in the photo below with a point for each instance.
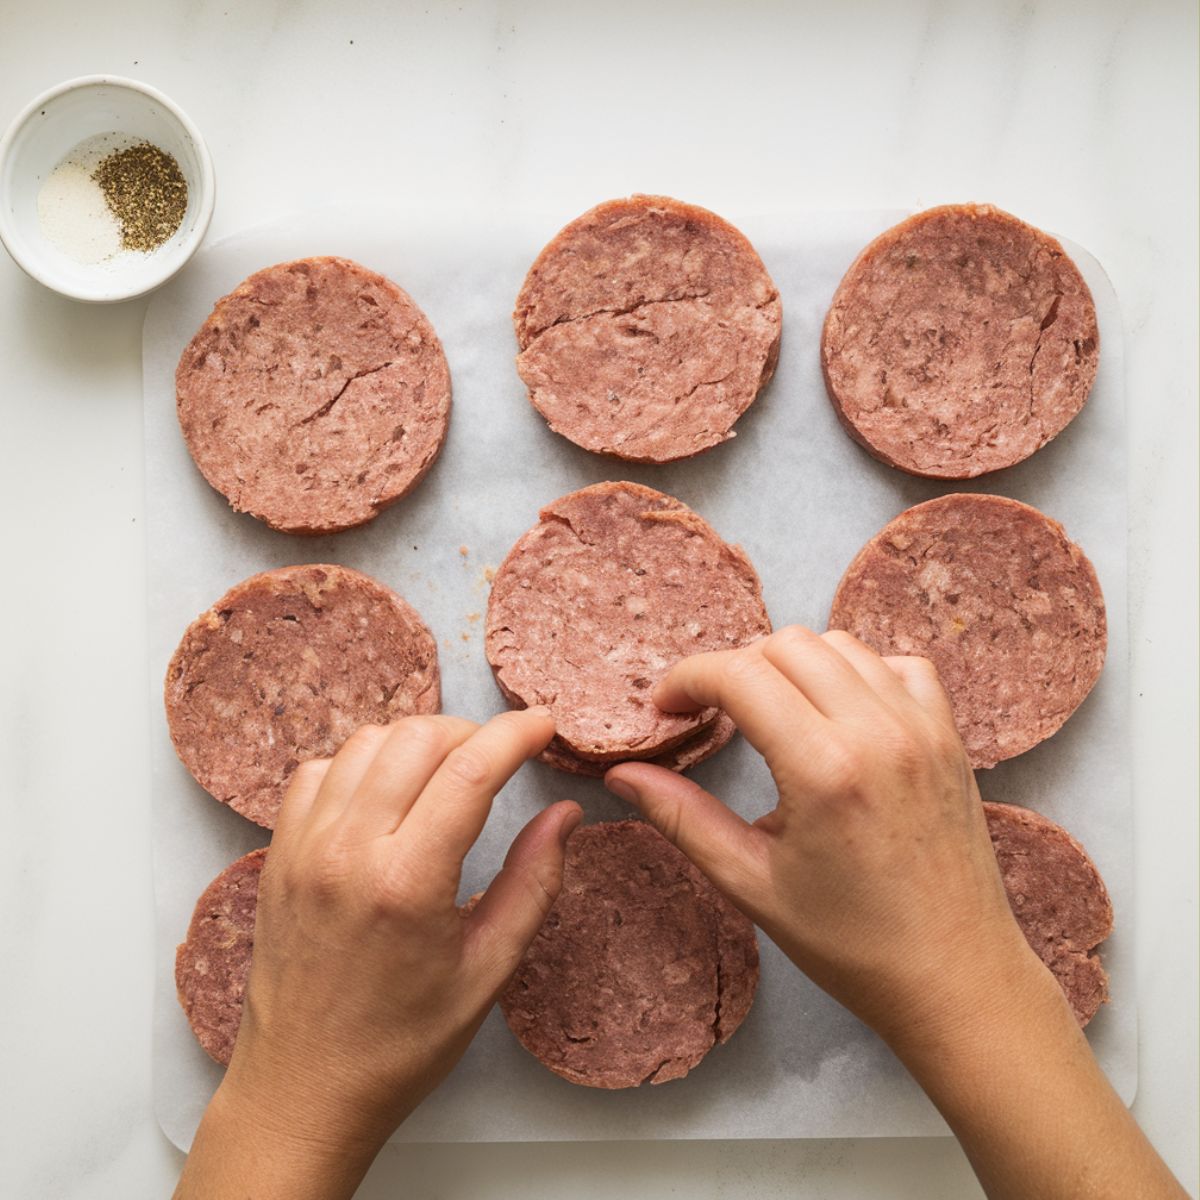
(468, 766)
(905, 752)
(424, 735)
(310, 772)
(668, 819)
(793, 637)
(742, 667)
(391, 887)
(840, 639)
(324, 874)
(365, 737)
(543, 884)
(947, 744)
(844, 767)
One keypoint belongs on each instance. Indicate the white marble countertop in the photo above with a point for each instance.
(1082, 118)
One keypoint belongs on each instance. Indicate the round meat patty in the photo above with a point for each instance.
(959, 342)
(315, 395)
(1005, 605)
(213, 964)
(646, 328)
(1058, 898)
(283, 668)
(687, 754)
(640, 969)
(592, 606)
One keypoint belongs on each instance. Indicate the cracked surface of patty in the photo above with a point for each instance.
(213, 964)
(283, 668)
(640, 969)
(314, 395)
(1058, 898)
(646, 328)
(590, 608)
(1008, 609)
(959, 342)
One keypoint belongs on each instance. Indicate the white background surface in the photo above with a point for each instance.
(1081, 118)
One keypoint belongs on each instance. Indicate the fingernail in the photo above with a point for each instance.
(539, 710)
(621, 790)
(569, 824)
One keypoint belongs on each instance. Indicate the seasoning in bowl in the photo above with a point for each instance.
(112, 195)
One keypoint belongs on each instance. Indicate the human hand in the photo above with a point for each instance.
(366, 984)
(874, 872)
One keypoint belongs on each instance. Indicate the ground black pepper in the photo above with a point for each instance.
(147, 193)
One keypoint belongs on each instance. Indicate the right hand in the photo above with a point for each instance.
(874, 872)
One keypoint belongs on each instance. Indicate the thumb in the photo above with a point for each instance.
(729, 850)
(511, 911)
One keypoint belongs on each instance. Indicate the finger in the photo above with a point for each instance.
(885, 682)
(922, 681)
(512, 910)
(826, 678)
(347, 767)
(729, 850)
(402, 767)
(768, 710)
(450, 812)
(298, 799)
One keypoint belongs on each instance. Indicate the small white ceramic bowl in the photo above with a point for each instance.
(49, 129)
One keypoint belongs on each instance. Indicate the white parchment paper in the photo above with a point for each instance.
(801, 498)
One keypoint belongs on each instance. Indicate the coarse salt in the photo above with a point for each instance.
(75, 217)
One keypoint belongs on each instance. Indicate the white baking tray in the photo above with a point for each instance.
(801, 498)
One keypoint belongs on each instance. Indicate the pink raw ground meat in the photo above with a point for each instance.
(641, 968)
(592, 606)
(995, 594)
(284, 667)
(959, 342)
(213, 964)
(1058, 898)
(315, 395)
(646, 328)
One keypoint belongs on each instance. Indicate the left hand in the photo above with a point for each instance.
(366, 984)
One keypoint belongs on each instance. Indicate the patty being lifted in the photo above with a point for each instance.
(646, 328)
(959, 342)
(315, 395)
(640, 969)
(283, 668)
(1005, 605)
(592, 606)
(1058, 898)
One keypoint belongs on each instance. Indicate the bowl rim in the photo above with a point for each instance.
(207, 181)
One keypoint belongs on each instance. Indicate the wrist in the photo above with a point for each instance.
(305, 1118)
(274, 1152)
(985, 1009)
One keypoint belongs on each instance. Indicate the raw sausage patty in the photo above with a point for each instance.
(682, 757)
(646, 328)
(959, 342)
(1058, 898)
(315, 395)
(1006, 606)
(212, 965)
(284, 667)
(640, 969)
(591, 607)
